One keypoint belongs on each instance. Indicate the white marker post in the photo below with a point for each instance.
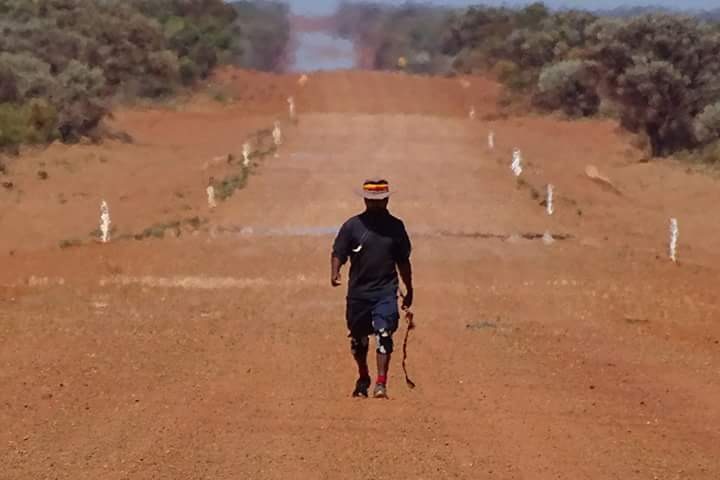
(291, 107)
(550, 210)
(674, 234)
(491, 140)
(516, 165)
(211, 196)
(277, 134)
(472, 113)
(246, 154)
(277, 137)
(104, 222)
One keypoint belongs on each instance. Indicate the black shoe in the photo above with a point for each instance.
(361, 387)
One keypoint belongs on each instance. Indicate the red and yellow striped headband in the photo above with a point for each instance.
(379, 187)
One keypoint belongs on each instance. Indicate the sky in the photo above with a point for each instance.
(319, 7)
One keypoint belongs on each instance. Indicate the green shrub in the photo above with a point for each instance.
(189, 72)
(707, 124)
(570, 86)
(14, 125)
(662, 71)
(9, 91)
(709, 154)
(32, 77)
(226, 187)
(504, 70)
(78, 98)
(62, 60)
(521, 80)
(32, 123)
(42, 119)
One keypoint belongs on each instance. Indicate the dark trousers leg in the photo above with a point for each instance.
(359, 348)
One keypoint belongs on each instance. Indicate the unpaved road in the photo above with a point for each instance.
(222, 355)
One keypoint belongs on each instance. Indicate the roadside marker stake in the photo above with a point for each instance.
(550, 189)
(277, 137)
(277, 134)
(211, 196)
(491, 140)
(291, 107)
(516, 165)
(674, 234)
(105, 221)
(246, 154)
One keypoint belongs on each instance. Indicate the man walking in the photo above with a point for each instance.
(378, 247)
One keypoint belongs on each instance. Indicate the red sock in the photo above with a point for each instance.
(364, 372)
(382, 379)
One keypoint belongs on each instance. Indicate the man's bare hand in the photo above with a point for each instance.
(408, 300)
(405, 270)
(335, 265)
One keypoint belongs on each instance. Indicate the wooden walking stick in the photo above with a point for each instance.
(410, 325)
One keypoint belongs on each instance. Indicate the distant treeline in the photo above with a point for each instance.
(62, 61)
(659, 74)
(708, 14)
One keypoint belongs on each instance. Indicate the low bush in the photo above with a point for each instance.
(658, 73)
(62, 62)
(569, 86)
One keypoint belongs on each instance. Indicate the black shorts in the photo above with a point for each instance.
(367, 317)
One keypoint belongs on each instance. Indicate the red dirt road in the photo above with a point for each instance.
(222, 354)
